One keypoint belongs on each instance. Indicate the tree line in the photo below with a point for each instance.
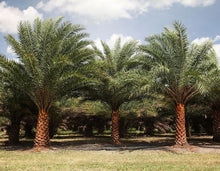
(57, 61)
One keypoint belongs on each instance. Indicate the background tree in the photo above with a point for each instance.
(118, 79)
(52, 55)
(213, 97)
(15, 106)
(182, 69)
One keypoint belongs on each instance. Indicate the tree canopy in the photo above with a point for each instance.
(51, 57)
(182, 68)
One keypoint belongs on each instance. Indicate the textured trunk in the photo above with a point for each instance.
(115, 126)
(89, 127)
(28, 128)
(42, 138)
(101, 129)
(216, 126)
(188, 127)
(122, 127)
(52, 128)
(100, 124)
(149, 126)
(180, 137)
(13, 131)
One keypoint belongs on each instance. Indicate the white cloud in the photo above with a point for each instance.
(102, 10)
(112, 40)
(200, 41)
(11, 55)
(10, 51)
(99, 10)
(114, 37)
(194, 3)
(217, 51)
(10, 16)
(217, 38)
(216, 46)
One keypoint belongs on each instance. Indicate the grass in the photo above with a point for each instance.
(106, 160)
(67, 156)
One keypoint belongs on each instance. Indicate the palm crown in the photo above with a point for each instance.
(213, 101)
(182, 69)
(118, 68)
(52, 56)
(181, 66)
(118, 78)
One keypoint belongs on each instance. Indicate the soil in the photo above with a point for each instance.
(203, 144)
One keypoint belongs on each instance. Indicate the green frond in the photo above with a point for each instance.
(178, 64)
(118, 74)
(47, 50)
(107, 52)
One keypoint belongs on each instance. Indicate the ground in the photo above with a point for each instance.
(97, 153)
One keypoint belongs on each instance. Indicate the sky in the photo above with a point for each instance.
(108, 19)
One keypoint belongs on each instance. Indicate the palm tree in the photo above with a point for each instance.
(118, 79)
(15, 108)
(15, 105)
(181, 67)
(53, 56)
(214, 102)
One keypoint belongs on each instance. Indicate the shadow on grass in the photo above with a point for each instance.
(98, 143)
(204, 141)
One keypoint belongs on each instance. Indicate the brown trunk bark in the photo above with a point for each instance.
(180, 137)
(216, 126)
(42, 138)
(89, 127)
(122, 127)
(28, 128)
(188, 127)
(13, 131)
(149, 126)
(115, 126)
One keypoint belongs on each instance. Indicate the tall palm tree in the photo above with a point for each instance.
(53, 56)
(214, 102)
(118, 79)
(14, 106)
(181, 67)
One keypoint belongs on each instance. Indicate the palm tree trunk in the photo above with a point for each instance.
(13, 131)
(216, 126)
(42, 138)
(28, 128)
(188, 127)
(115, 126)
(180, 137)
(122, 127)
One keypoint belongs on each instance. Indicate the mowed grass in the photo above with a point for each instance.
(107, 160)
(65, 155)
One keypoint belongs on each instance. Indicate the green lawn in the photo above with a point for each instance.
(79, 153)
(106, 160)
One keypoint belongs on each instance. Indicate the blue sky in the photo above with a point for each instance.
(108, 19)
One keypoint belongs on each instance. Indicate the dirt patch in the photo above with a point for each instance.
(194, 149)
(173, 149)
(203, 144)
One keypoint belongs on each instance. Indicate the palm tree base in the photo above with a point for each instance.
(38, 144)
(115, 126)
(185, 145)
(42, 138)
(13, 131)
(180, 136)
(216, 126)
(41, 148)
(216, 138)
(117, 142)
